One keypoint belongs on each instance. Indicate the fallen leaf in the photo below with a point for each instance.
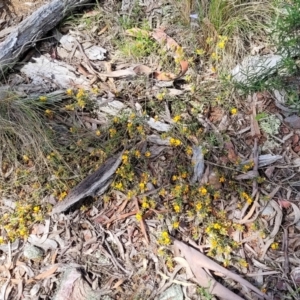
(44, 275)
(231, 154)
(284, 203)
(198, 262)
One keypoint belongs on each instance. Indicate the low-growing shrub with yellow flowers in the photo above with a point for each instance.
(17, 224)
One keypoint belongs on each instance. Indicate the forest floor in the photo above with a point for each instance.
(204, 199)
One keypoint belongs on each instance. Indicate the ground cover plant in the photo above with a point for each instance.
(205, 160)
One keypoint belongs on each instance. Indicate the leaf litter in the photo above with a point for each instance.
(108, 249)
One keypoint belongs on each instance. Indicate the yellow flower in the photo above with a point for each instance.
(130, 194)
(214, 56)
(145, 204)
(25, 158)
(49, 113)
(233, 111)
(36, 209)
(176, 225)
(217, 195)
(203, 191)
(125, 158)
(43, 98)
(221, 45)
(119, 186)
(174, 177)
(214, 243)
(1, 239)
(176, 207)
(177, 118)
(81, 103)
(200, 52)
(243, 263)
(226, 262)
(183, 175)
(62, 195)
(142, 186)
(139, 216)
(223, 38)
(162, 192)
(222, 179)
(209, 40)
(70, 107)
(161, 252)
(274, 246)
(198, 206)
(112, 132)
(217, 226)
(175, 142)
(147, 153)
(239, 227)
(98, 132)
(69, 92)
(95, 90)
(137, 153)
(161, 96)
(189, 150)
(80, 93)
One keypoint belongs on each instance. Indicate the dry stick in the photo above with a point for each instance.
(33, 28)
(115, 261)
(285, 244)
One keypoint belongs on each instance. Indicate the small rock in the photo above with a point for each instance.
(255, 67)
(174, 292)
(33, 252)
(293, 121)
(297, 149)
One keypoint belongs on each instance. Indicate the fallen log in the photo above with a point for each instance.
(33, 28)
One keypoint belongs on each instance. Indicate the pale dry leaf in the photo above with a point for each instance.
(158, 125)
(295, 274)
(295, 214)
(278, 218)
(44, 274)
(156, 139)
(249, 175)
(74, 287)
(267, 159)
(184, 263)
(265, 247)
(197, 261)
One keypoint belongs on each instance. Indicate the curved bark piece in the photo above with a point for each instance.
(94, 184)
(32, 28)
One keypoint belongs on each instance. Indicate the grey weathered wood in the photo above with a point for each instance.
(33, 28)
(92, 185)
